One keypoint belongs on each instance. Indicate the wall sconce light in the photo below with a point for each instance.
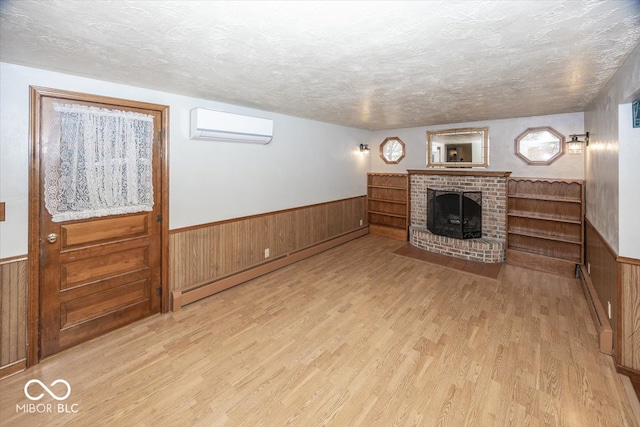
(364, 149)
(574, 145)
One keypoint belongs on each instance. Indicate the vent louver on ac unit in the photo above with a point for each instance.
(220, 126)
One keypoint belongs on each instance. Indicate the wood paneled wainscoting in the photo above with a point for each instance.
(209, 258)
(13, 315)
(616, 280)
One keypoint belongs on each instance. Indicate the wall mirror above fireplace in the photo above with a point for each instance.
(540, 145)
(392, 150)
(458, 148)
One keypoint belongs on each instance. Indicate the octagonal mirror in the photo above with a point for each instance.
(540, 145)
(392, 150)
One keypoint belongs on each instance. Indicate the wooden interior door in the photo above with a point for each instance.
(101, 273)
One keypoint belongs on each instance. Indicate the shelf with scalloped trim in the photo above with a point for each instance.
(545, 224)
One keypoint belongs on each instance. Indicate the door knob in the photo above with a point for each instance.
(52, 238)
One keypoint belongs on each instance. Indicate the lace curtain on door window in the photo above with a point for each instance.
(98, 163)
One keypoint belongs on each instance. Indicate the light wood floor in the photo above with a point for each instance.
(355, 336)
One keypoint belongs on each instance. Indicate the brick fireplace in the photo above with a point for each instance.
(490, 248)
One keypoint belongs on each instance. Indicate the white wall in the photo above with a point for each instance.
(606, 181)
(502, 135)
(629, 149)
(307, 162)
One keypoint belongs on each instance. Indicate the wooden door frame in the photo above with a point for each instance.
(33, 292)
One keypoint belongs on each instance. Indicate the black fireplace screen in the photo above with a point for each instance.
(455, 213)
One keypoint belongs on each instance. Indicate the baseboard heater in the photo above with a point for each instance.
(182, 297)
(598, 314)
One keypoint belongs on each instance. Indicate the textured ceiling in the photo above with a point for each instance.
(372, 65)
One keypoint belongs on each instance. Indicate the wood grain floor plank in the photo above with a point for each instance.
(354, 336)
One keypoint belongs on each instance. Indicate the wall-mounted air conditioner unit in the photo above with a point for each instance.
(220, 126)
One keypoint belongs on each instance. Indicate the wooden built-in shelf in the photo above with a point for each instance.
(539, 235)
(388, 214)
(388, 205)
(545, 197)
(544, 217)
(545, 224)
(568, 262)
(388, 187)
(388, 201)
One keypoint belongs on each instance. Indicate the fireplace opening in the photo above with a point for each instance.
(455, 214)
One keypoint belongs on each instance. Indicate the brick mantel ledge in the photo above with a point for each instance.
(457, 172)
